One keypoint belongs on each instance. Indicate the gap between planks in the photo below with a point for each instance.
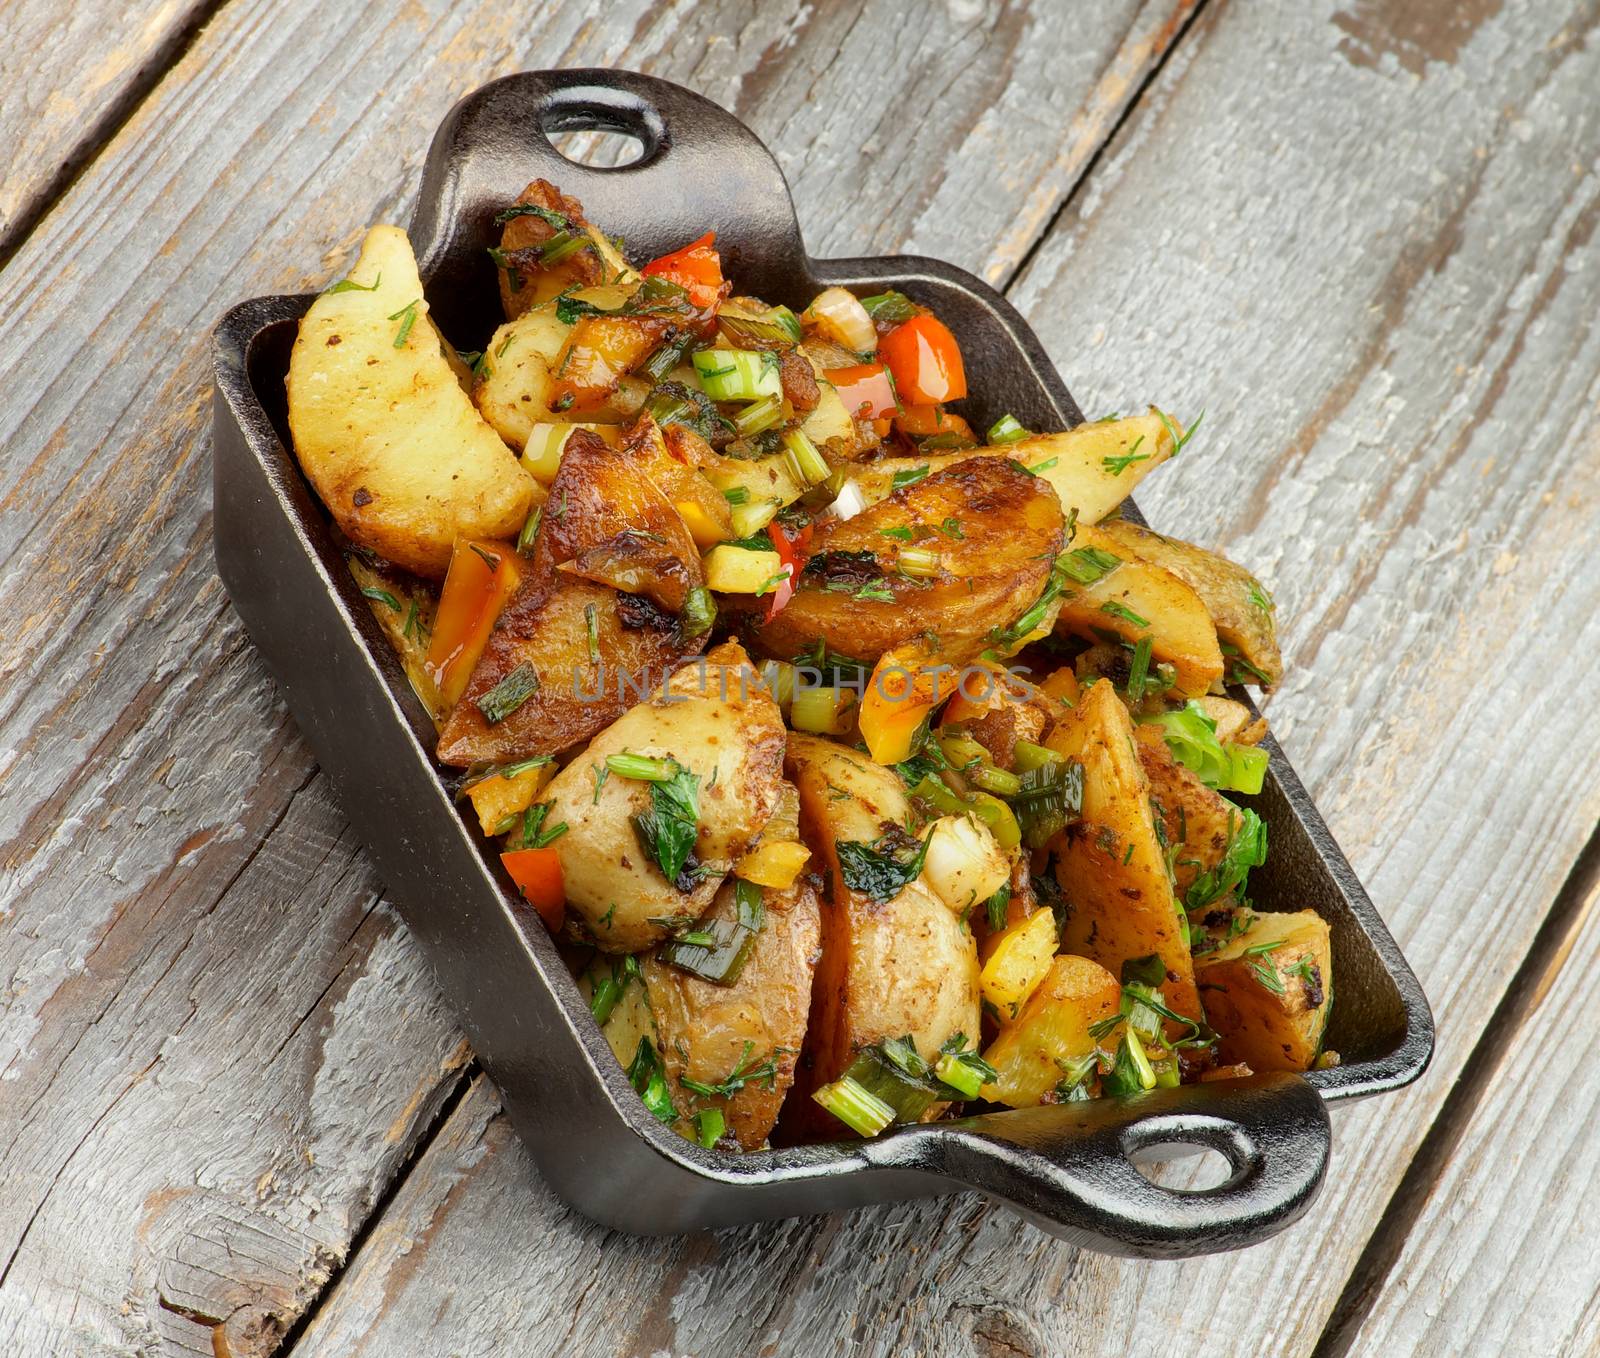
(104, 128)
(1552, 946)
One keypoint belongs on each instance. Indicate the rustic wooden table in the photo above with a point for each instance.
(236, 1116)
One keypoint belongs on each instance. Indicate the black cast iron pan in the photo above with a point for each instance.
(1066, 1167)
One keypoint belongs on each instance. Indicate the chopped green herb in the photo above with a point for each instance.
(649, 1077)
(382, 596)
(910, 476)
(856, 1106)
(1006, 430)
(591, 624)
(1172, 433)
(1117, 465)
(709, 1125)
(1085, 565)
(407, 316)
(1139, 669)
(1121, 610)
(668, 827)
(350, 285)
(530, 530)
(1268, 976)
(880, 868)
(744, 1073)
(891, 308)
(509, 694)
(610, 987)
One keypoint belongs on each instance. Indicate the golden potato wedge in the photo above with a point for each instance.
(513, 391)
(1268, 991)
(1240, 609)
(593, 651)
(1052, 1030)
(1080, 464)
(1191, 814)
(852, 596)
(719, 722)
(631, 1017)
(404, 608)
(381, 427)
(1135, 599)
(752, 1029)
(541, 214)
(843, 796)
(1110, 864)
(896, 968)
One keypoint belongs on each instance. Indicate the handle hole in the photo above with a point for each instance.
(599, 150)
(1185, 1168)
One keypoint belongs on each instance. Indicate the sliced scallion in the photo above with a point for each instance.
(1006, 429)
(509, 694)
(738, 374)
(642, 767)
(862, 1111)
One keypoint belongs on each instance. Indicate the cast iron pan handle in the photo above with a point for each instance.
(699, 169)
(1067, 1167)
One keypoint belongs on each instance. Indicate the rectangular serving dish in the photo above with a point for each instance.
(1066, 1167)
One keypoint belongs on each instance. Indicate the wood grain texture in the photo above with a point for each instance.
(68, 75)
(216, 1045)
(1385, 298)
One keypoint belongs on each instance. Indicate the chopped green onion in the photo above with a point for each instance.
(812, 469)
(709, 1125)
(1118, 609)
(759, 415)
(862, 1111)
(1132, 1072)
(1027, 756)
(509, 694)
(665, 358)
(1047, 798)
(1139, 669)
(647, 1075)
(892, 308)
(910, 477)
(560, 245)
(738, 374)
(699, 612)
(991, 779)
(718, 952)
(786, 321)
(1006, 429)
(530, 530)
(821, 710)
(642, 767)
(407, 316)
(381, 596)
(918, 562)
(591, 622)
(350, 285)
(1085, 565)
(964, 1072)
(1247, 768)
(608, 990)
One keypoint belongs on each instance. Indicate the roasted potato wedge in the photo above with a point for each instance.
(382, 428)
(720, 723)
(1109, 864)
(1268, 991)
(707, 1031)
(852, 596)
(404, 609)
(1192, 815)
(896, 968)
(1081, 464)
(593, 650)
(1052, 1029)
(1240, 608)
(541, 217)
(843, 796)
(1135, 599)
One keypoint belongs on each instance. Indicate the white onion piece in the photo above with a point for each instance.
(964, 866)
(840, 317)
(850, 502)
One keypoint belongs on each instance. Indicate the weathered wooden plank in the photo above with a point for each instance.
(168, 867)
(1385, 297)
(1500, 1258)
(68, 75)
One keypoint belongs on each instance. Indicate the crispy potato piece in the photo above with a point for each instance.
(1136, 599)
(707, 1031)
(1052, 1028)
(719, 722)
(1109, 864)
(526, 281)
(1235, 725)
(896, 968)
(1269, 990)
(1011, 528)
(1075, 463)
(1192, 814)
(585, 680)
(1240, 609)
(383, 430)
(843, 795)
(408, 626)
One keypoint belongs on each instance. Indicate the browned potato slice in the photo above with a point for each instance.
(1135, 600)
(719, 722)
(525, 280)
(902, 967)
(707, 1032)
(382, 428)
(595, 651)
(1191, 814)
(1092, 468)
(852, 597)
(1109, 864)
(1052, 1028)
(1240, 609)
(843, 795)
(1268, 991)
(404, 609)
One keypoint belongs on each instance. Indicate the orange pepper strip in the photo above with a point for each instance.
(482, 577)
(537, 873)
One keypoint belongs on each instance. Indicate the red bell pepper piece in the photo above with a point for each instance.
(926, 361)
(697, 268)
